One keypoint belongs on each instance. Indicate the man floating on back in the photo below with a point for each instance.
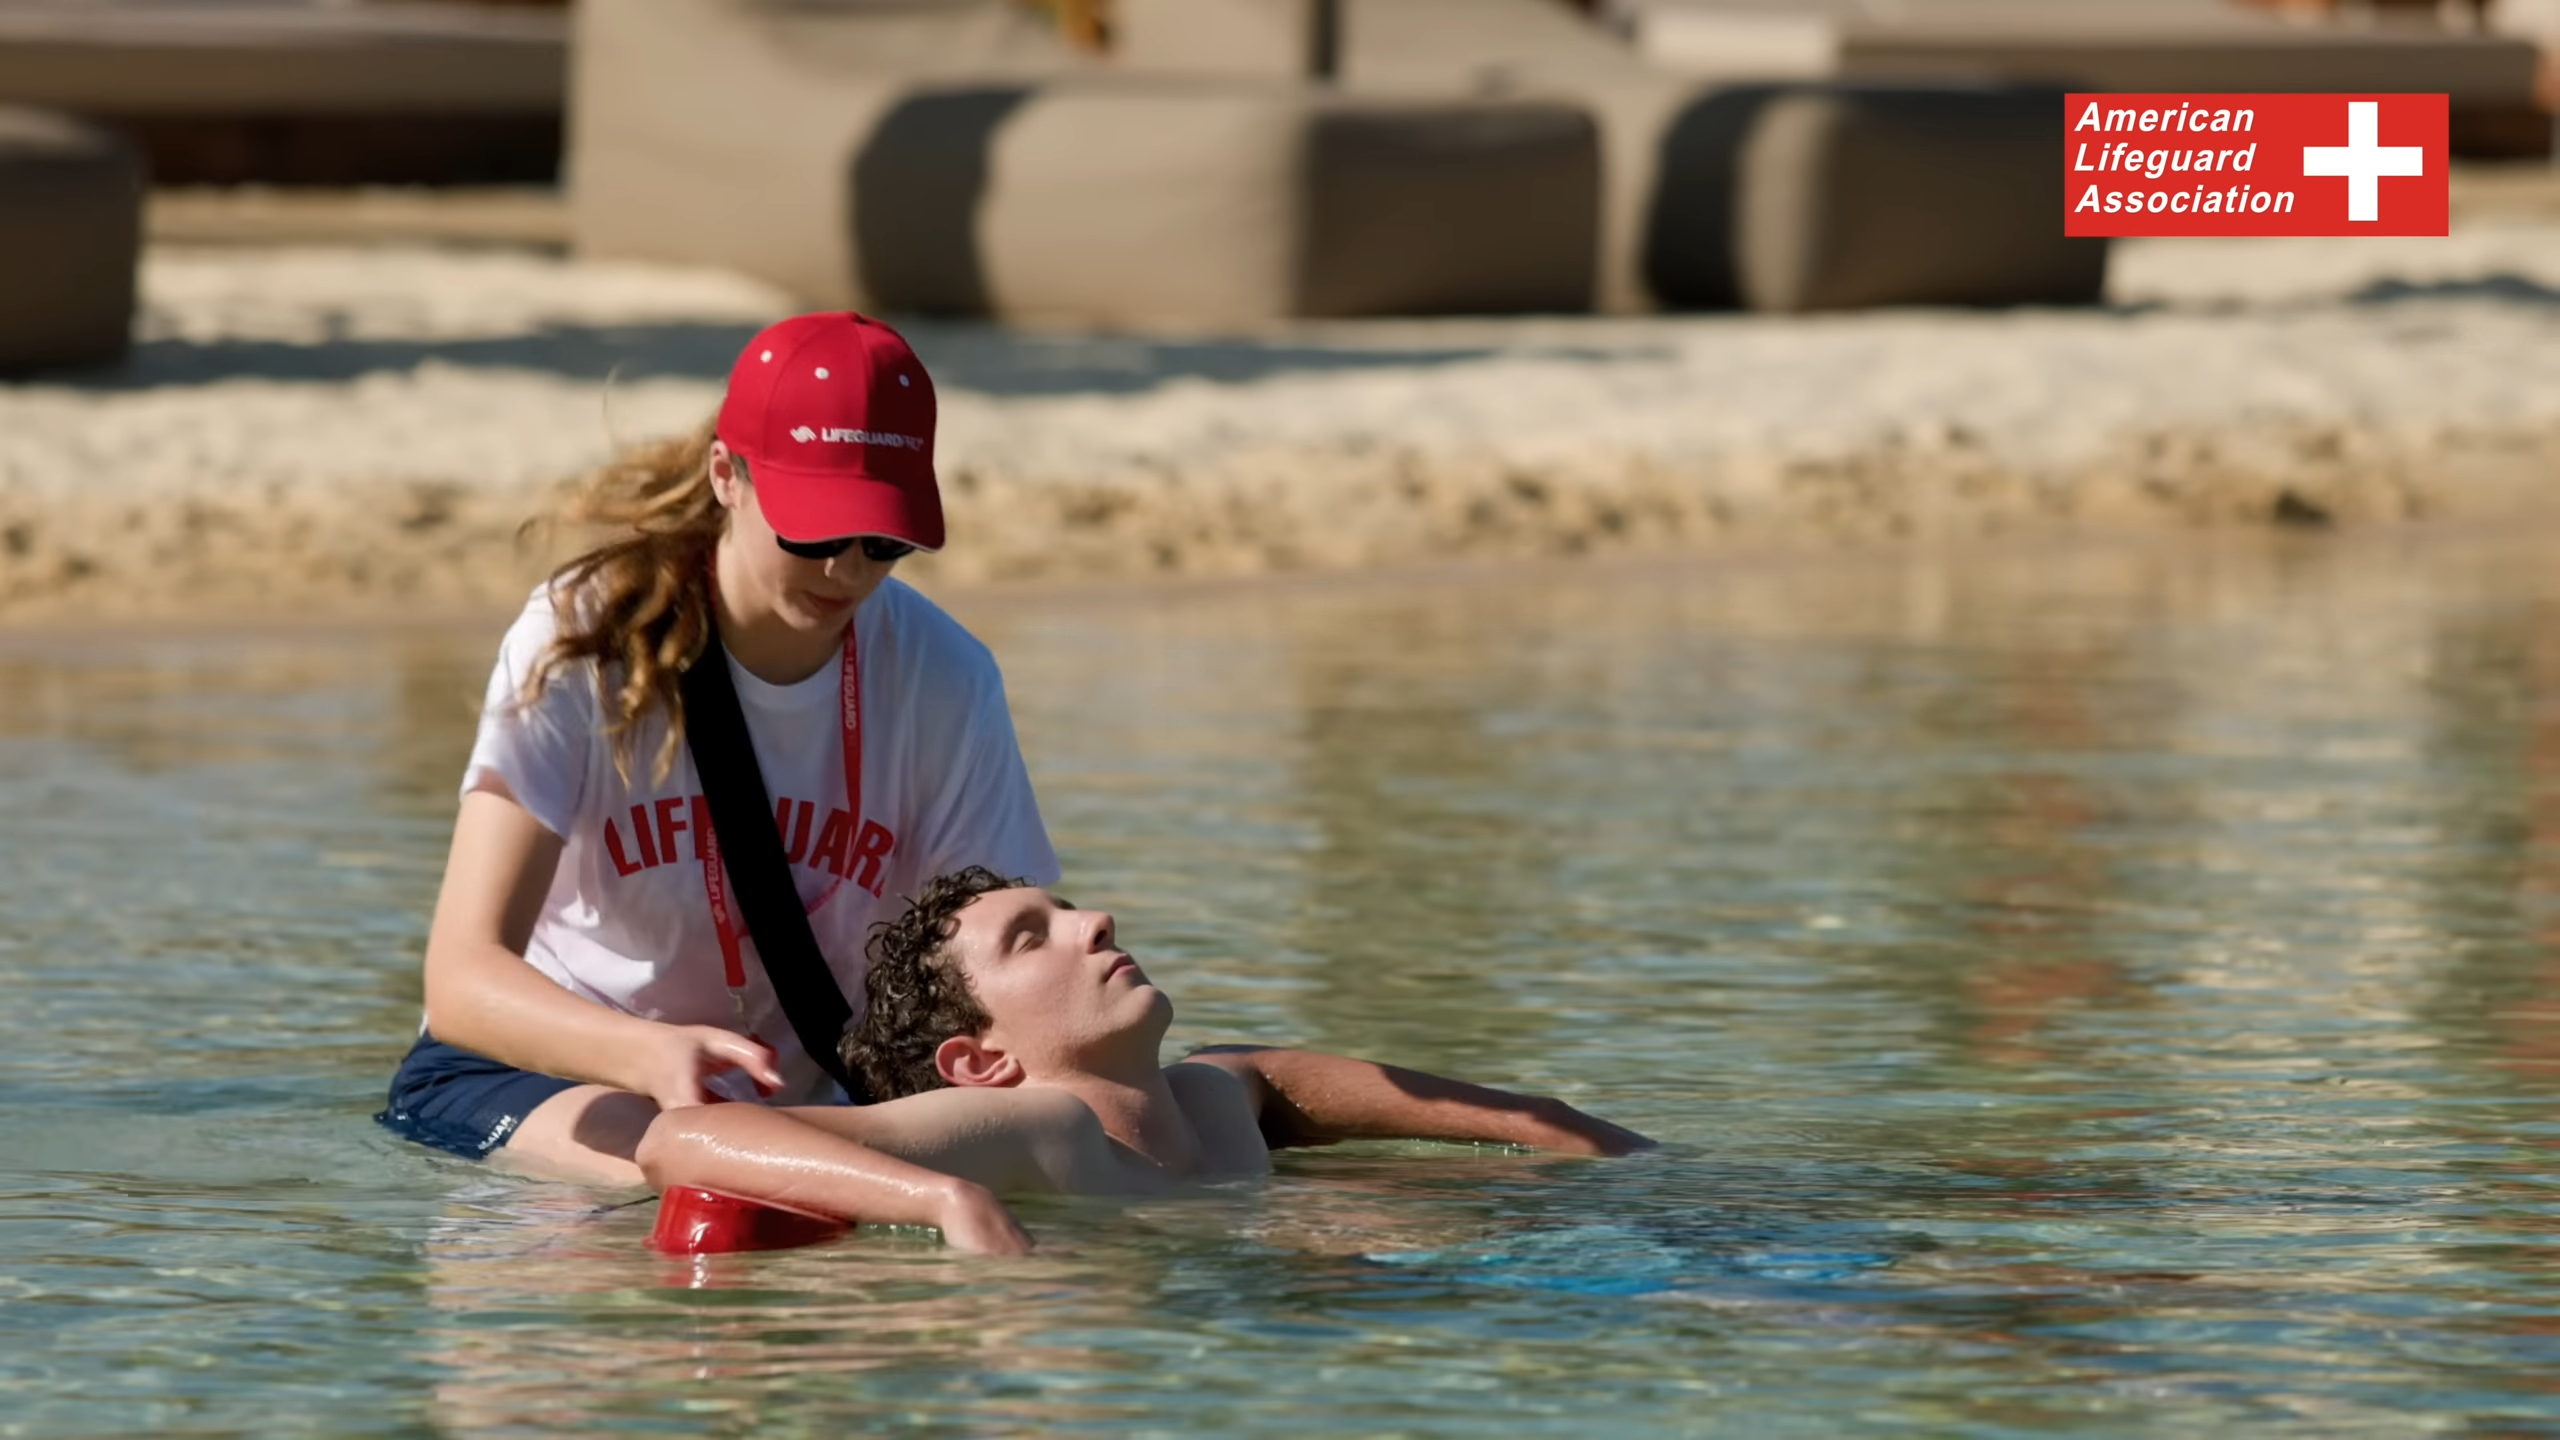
(1014, 1046)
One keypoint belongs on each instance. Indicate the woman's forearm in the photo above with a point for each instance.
(481, 992)
(488, 999)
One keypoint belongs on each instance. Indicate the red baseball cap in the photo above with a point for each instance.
(834, 416)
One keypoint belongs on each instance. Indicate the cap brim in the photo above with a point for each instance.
(811, 505)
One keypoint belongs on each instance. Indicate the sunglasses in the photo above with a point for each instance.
(878, 548)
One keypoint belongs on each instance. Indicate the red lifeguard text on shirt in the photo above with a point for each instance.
(660, 833)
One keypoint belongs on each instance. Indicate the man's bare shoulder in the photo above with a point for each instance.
(1221, 1110)
(1193, 1079)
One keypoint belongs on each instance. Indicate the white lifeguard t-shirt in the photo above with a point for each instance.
(627, 923)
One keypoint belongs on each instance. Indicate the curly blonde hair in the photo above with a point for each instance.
(639, 606)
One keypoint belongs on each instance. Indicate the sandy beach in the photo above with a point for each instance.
(362, 425)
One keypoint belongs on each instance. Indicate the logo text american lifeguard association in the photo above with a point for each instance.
(2271, 164)
(2092, 153)
(841, 436)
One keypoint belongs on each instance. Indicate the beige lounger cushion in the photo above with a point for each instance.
(1014, 186)
(70, 236)
(1234, 39)
(1775, 199)
(1181, 205)
(2126, 45)
(1818, 197)
(259, 58)
(723, 132)
(2470, 69)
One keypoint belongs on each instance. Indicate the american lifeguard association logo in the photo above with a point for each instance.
(2255, 165)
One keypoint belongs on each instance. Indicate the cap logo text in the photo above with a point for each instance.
(835, 435)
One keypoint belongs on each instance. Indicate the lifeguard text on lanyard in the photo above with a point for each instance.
(715, 877)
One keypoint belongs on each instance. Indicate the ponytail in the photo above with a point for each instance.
(639, 607)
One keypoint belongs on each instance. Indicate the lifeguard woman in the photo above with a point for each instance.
(576, 979)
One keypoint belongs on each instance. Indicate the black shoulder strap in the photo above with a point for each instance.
(715, 730)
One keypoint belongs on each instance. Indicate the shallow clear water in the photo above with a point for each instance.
(2113, 991)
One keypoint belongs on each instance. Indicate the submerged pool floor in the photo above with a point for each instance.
(2112, 990)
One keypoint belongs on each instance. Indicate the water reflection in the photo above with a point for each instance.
(1415, 795)
(2499, 698)
(2103, 989)
(539, 1317)
(2017, 842)
(256, 824)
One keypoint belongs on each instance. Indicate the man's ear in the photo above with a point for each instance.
(967, 1061)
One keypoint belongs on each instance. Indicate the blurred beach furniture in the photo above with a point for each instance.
(70, 236)
(1103, 201)
(1209, 163)
(1783, 195)
(962, 158)
(297, 92)
(2481, 54)
(1233, 161)
(97, 94)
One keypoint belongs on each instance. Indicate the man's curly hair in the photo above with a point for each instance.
(918, 997)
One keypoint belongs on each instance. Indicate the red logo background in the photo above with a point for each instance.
(2281, 126)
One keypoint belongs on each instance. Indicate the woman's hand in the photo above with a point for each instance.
(675, 1065)
(973, 1219)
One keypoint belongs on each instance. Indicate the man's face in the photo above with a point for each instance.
(1058, 991)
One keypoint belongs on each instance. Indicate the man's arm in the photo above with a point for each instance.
(1306, 1097)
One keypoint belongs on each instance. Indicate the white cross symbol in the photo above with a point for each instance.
(2364, 160)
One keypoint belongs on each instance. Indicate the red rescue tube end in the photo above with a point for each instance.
(694, 1221)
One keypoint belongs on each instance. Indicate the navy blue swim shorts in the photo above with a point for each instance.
(462, 1103)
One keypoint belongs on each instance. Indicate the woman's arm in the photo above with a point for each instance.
(483, 996)
(1306, 1097)
(780, 1158)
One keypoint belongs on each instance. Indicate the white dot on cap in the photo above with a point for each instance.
(822, 372)
(768, 357)
(904, 381)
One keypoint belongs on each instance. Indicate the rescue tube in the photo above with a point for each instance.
(694, 1221)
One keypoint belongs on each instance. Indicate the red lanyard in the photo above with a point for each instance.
(715, 878)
